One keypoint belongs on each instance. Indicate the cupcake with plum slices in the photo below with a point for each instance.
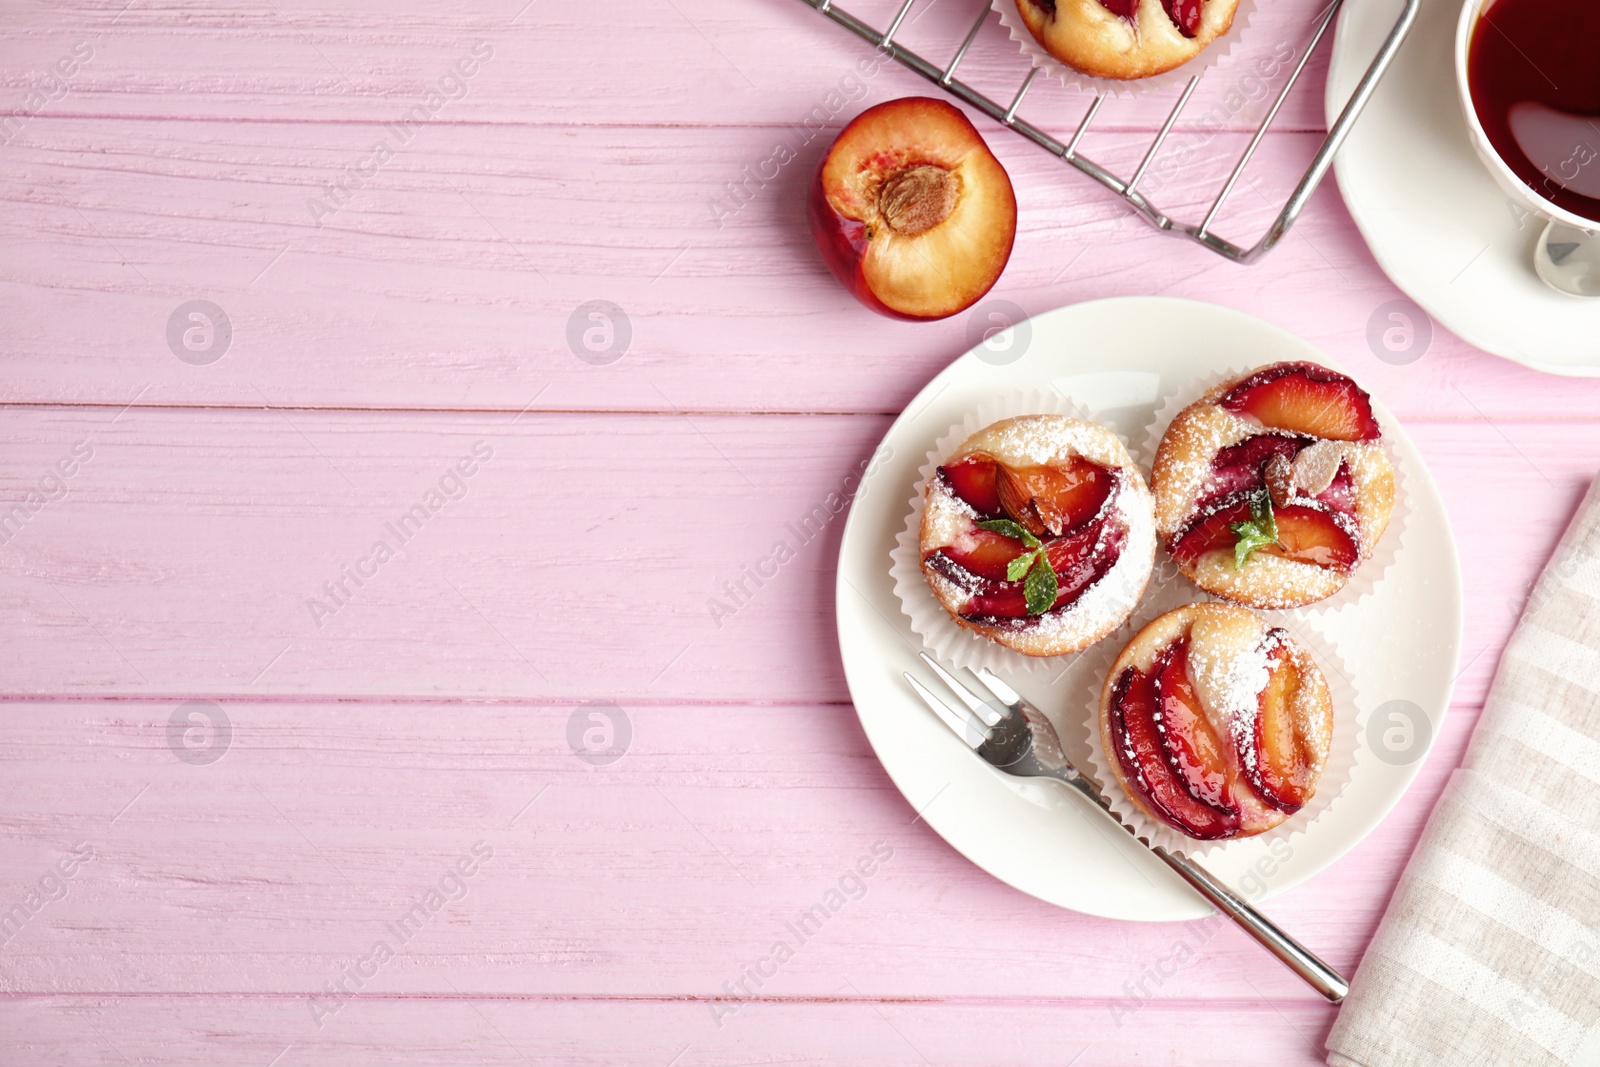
(1038, 533)
(1274, 487)
(1126, 39)
(1215, 723)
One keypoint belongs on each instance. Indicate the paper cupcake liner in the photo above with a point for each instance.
(1337, 773)
(1173, 79)
(1365, 576)
(943, 637)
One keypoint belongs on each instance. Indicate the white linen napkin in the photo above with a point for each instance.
(1489, 952)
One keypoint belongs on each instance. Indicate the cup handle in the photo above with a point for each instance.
(1567, 259)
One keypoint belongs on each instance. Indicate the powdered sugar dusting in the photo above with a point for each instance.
(1240, 707)
(1229, 664)
(1043, 440)
(1231, 655)
(918, 597)
(1183, 463)
(1109, 600)
(1183, 475)
(1273, 581)
(1046, 440)
(948, 519)
(1105, 604)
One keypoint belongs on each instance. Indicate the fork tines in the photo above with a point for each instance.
(974, 724)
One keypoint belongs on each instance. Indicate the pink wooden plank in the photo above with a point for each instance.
(220, 552)
(190, 554)
(451, 279)
(843, 1031)
(180, 558)
(319, 827)
(709, 62)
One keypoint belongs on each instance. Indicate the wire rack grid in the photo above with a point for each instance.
(1128, 188)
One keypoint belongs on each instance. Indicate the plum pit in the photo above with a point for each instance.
(917, 199)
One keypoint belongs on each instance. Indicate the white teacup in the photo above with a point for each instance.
(1568, 256)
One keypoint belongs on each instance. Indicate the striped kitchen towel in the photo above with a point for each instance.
(1490, 950)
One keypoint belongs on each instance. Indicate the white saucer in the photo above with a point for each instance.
(1433, 217)
(1119, 358)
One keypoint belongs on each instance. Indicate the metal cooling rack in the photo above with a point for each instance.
(1127, 188)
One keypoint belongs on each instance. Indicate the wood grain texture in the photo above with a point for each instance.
(684, 62)
(346, 815)
(450, 278)
(454, 1032)
(373, 743)
(195, 551)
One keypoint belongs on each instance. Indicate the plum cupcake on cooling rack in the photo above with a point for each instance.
(1038, 533)
(1274, 487)
(1126, 39)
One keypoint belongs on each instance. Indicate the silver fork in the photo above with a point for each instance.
(1016, 738)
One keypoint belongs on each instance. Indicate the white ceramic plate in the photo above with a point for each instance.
(1435, 220)
(1119, 357)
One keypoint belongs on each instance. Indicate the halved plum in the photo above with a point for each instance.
(1139, 752)
(1127, 9)
(1193, 750)
(1211, 532)
(1079, 560)
(1238, 468)
(911, 211)
(1305, 398)
(985, 553)
(1047, 501)
(972, 480)
(1341, 492)
(1281, 772)
(1185, 14)
(1311, 535)
(1306, 534)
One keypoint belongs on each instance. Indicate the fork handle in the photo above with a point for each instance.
(1318, 975)
(1295, 956)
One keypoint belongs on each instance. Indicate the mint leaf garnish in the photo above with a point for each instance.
(1014, 530)
(1259, 532)
(1039, 589)
(1019, 566)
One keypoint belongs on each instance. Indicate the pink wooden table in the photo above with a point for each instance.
(395, 767)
